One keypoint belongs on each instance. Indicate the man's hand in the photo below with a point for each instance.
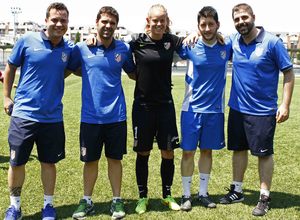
(91, 40)
(191, 39)
(220, 38)
(282, 113)
(8, 105)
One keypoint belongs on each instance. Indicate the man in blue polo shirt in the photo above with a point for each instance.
(202, 115)
(103, 112)
(37, 108)
(258, 56)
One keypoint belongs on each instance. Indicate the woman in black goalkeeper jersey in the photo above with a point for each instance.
(153, 113)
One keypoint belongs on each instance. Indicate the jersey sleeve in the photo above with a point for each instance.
(17, 55)
(129, 66)
(74, 62)
(281, 56)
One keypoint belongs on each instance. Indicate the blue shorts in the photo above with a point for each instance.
(205, 130)
(250, 132)
(149, 121)
(93, 136)
(48, 137)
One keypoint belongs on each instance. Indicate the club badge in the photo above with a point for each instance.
(64, 57)
(12, 154)
(223, 54)
(83, 151)
(167, 45)
(118, 57)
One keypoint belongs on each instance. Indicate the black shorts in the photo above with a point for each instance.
(149, 121)
(93, 136)
(251, 132)
(48, 137)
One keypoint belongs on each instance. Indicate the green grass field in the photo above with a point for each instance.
(285, 188)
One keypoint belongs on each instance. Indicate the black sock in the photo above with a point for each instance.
(167, 173)
(141, 172)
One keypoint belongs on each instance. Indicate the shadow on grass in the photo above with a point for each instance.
(279, 200)
(102, 209)
(5, 159)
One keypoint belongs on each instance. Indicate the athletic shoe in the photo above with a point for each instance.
(206, 201)
(186, 203)
(262, 206)
(117, 209)
(13, 214)
(141, 205)
(171, 203)
(83, 210)
(232, 196)
(48, 213)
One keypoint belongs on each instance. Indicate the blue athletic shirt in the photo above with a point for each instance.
(205, 77)
(41, 84)
(103, 98)
(255, 72)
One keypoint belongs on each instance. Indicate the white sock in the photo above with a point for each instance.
(88, 199)
(48, 200)
(238, 186)
(186, 185)
(15, 201)
(203, 184)
(116, 198)
(265, 192)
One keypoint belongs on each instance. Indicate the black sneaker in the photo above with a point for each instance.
(232, 196)
(207, 202)
(262, 206)
(186, 203)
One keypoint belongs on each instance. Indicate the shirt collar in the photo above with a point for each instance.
(44, 37)
(259, 38)
(111, 46)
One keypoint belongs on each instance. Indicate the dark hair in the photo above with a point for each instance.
(243, 6)
(208, 11)
(58, 6)
(108, 10)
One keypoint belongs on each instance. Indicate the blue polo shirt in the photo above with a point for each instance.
(205, 77)
(255, 72)
(103, 98)
(41, 84)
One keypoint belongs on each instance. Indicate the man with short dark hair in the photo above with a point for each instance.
(103, 112)
(37, 107)
(202, 115)
(258, 56)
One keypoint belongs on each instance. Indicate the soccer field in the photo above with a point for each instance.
(285, 191)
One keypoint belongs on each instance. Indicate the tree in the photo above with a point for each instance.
(77, 37)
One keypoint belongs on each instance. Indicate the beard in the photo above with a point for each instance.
(245, 29)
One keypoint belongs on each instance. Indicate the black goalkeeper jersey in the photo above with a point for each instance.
(153, 60)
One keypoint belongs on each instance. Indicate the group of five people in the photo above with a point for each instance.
(46, 58)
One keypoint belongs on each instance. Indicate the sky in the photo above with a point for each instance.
(275, 16)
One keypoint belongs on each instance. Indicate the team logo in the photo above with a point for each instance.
(118, 57)
(167, 45)
(64, 57)
(259, 51)
(223, 54)
(83, 151)
(12, 154)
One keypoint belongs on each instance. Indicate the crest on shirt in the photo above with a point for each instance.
(167, 45)
(64, 57)
(12, 154)
(259, 51)
(118, 57)
(223, 54)
(83, 151)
